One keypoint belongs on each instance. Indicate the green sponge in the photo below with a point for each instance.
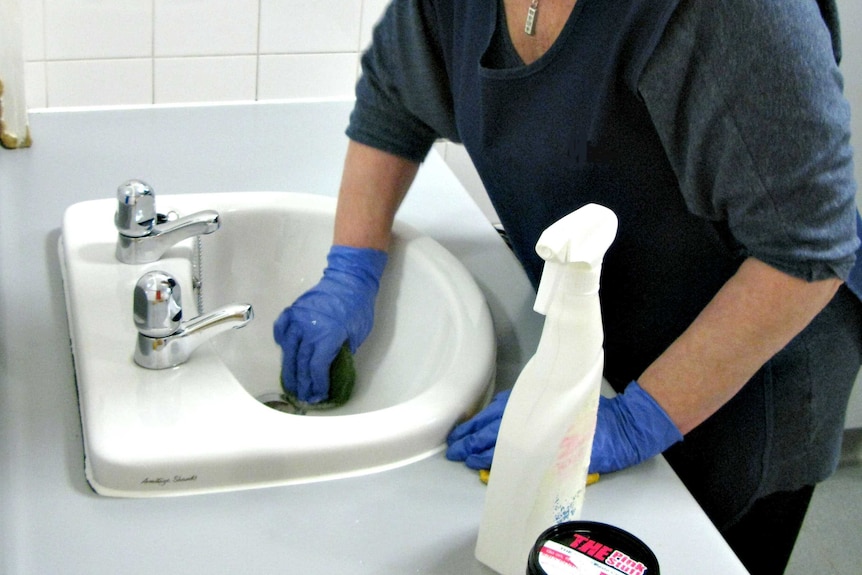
(342, 377)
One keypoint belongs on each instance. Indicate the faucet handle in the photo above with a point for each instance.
(136, 209)
(157, 306)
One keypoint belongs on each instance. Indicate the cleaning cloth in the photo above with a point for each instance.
(342, 377)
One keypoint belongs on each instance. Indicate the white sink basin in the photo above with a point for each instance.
(202, 426)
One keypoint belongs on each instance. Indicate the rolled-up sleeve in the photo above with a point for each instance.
(403, 101)
(748, 102)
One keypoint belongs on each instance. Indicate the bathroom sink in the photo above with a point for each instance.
(207, 425)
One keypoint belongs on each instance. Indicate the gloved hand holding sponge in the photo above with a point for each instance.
(328, 323)
(630, 428)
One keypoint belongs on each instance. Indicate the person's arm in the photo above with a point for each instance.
(784, 186)
(373, 185)
(402, 106)
(757, 312)
(751, 318)
(746, 99)
(340, 308)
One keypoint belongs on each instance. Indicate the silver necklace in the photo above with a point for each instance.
(530, 24)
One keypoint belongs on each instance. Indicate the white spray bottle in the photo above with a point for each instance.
(539, 470)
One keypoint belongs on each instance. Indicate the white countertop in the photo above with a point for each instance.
(422, 518)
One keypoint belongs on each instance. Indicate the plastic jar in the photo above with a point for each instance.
(590, 548)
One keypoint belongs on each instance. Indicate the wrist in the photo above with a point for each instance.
(367, 263)
(630, 428)
(646, 412)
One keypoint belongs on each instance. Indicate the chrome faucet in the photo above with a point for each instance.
(144, 235)
(164, 339)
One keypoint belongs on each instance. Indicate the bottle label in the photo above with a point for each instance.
(586, 557)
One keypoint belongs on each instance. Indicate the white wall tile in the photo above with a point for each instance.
(306, 76)
(205, 79)
(34, 29)
(104, 52)
(205, 27)
(84, 29)
(100, 82)
(303, 26)
(34, 85)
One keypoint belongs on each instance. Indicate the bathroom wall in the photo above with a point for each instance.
(138, 52)
(851, 65)
(123, 52)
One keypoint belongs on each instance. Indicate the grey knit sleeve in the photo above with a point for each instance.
(403, 101)
(747, 100)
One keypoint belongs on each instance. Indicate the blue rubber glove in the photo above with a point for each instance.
(339, 308)
(473, 441)
(631, 428)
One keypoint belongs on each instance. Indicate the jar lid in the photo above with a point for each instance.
(590, 548)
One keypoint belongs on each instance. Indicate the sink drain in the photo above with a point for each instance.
(277, 402)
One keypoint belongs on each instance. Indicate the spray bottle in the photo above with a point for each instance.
(543, 448)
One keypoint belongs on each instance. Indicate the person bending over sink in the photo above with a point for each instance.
(718, 132)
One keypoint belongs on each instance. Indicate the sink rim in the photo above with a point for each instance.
(107, 454)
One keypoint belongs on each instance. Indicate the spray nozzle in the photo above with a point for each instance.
(577, 242)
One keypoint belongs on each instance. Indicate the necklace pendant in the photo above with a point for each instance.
(530, 24)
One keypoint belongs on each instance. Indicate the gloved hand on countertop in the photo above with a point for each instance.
(473, 441)
(630, 428)
(339, 308)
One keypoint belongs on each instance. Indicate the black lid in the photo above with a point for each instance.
(569, 547)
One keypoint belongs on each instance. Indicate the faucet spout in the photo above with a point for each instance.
(142, 235)
(164, 340)
(175, 349)
(151, 247)
(206, 326)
